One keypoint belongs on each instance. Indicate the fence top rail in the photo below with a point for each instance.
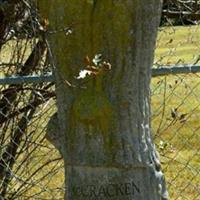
(27, 79)
(173, 70)
(161, 71)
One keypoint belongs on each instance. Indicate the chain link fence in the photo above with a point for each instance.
(30, 166)
(175, 109)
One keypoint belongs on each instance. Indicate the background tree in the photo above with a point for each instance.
(104, 118)
(20, 102)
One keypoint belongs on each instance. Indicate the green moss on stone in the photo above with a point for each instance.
(93, 110)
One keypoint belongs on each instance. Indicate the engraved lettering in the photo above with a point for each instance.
(119, 189)
(111, 190)
(76, 190)
(128, 188)
(102, 191)
(92, 191)
(106, 191)
(136, 187)
(84, 191)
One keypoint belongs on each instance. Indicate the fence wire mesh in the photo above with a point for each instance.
(30, 166)
(175, 99)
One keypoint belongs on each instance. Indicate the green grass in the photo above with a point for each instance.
(178, 45)
(178, 142)
(180, 154)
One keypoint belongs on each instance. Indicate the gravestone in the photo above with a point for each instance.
(103, 105)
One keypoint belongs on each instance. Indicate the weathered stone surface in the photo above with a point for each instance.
(111, 183)
(104, 119)
(53, 132)
(104, 183)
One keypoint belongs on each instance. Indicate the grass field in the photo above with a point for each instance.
(178, 45)
(177, 139)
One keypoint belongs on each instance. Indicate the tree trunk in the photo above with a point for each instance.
(104, 118)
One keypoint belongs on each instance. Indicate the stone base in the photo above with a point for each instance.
(99, 183)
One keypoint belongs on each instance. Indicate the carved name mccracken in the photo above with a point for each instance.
(109, 190)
